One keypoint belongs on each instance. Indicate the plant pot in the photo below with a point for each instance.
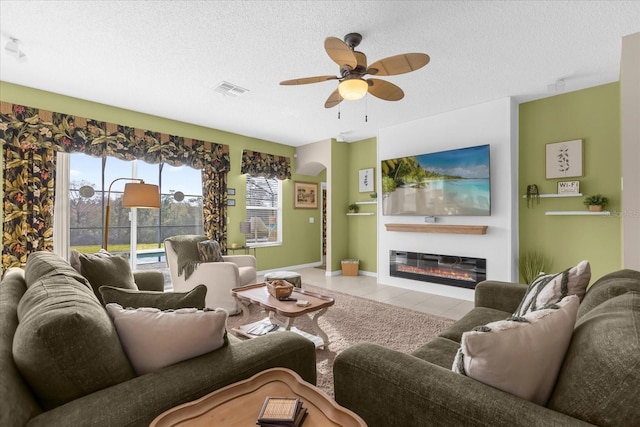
(595, 208)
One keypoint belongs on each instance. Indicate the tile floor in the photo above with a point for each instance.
(366, 287)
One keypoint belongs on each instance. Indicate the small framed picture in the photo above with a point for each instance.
(231, 202)
(568, 187)
(365, 180)
(305, 195)
(564, 159)
(231, 191)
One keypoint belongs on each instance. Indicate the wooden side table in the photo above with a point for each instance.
(246, 250)
(239, 404)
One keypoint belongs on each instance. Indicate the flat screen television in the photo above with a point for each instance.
(446, 183)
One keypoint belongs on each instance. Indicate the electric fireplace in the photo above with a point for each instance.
(452, 270)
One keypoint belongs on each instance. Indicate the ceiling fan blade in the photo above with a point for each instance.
(384, 90)
(333, 100)
(339, 52)
(307, 80)
(399, 64)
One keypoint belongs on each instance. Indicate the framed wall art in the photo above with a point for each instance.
(305, 195)
(564, 159)
(365, 180)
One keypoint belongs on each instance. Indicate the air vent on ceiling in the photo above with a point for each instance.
(230, 89)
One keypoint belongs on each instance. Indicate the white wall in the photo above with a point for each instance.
(630, 111)
(493, 123)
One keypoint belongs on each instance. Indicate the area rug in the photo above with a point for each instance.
(351, 320)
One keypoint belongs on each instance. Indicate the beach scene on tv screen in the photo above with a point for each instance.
(453, 182)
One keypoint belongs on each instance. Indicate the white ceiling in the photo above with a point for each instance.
(166, 57)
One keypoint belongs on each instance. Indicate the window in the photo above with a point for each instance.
(180, 195)
(180, 200)
(264, 211)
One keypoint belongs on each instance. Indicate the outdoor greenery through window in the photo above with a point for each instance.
(180, 196)
(264, 211)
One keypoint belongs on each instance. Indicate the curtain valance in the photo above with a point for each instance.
(31, 128)
(265, 165)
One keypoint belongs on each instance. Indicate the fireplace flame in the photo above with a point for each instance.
(437, 272)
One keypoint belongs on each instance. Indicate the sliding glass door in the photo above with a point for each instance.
(144, 230)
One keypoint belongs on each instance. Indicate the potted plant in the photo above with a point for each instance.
(353, 208)
(531, 264)
(596, 202)
(532, 194)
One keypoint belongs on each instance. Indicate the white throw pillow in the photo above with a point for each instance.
(153, 339)
(520, 355)
(551, 288)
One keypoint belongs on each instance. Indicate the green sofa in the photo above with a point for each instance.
(87, 380)
(598, 383)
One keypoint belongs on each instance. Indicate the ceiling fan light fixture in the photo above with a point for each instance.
(353, 89)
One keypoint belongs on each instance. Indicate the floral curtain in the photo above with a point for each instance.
(214, 206)
(29, 177)
(265, 165)
(30, 138)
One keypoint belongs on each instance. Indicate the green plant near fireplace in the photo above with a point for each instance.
(531, 264)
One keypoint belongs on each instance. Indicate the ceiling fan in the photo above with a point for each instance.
(353, 67)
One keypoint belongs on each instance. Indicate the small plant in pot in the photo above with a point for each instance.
(596, 202)
(353, 208)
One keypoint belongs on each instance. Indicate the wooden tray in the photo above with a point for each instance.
(239, 404)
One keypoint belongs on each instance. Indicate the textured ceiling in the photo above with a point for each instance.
(166, 57)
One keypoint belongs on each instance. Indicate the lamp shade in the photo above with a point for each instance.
(140, 195)
(353, 89)
(245, 227)
(257, 224)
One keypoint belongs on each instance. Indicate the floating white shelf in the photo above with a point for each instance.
(361, 214)
(367, 203)
(548, 196)
(602, 213)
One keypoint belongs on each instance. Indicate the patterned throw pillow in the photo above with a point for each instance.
(551, 288)
(520, 355)
(209, 251)
(153, 339)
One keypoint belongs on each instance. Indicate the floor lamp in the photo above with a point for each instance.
(136, 195)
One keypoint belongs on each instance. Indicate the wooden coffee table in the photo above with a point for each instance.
(258, 294)
(239, 404)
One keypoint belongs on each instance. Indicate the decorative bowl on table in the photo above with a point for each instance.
(279, 288)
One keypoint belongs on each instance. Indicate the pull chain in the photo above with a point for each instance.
(366, 109)
(338, 111)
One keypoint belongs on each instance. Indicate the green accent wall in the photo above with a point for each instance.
(339, 227)
(363, 240)
(592, 115)
(301, 239)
